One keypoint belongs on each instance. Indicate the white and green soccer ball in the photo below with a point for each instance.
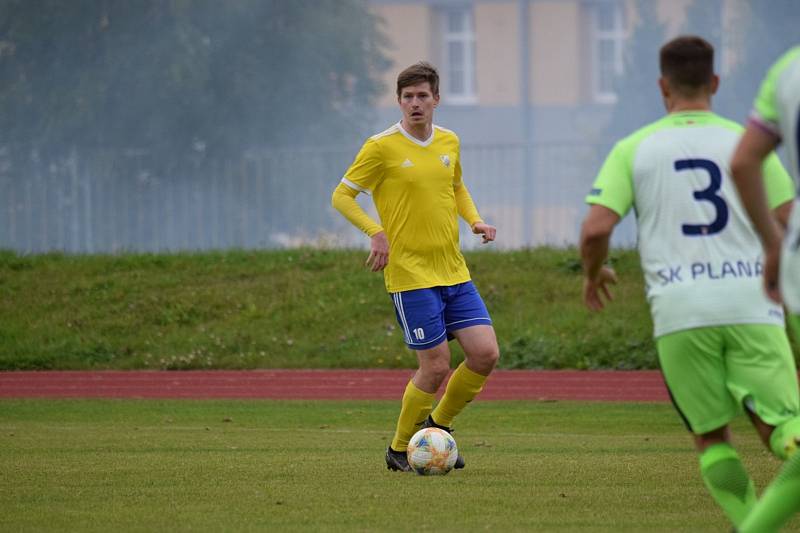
(432, 451)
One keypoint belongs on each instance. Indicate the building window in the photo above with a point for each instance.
(458, 76)
(608, 40)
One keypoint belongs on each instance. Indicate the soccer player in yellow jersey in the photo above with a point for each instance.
(413, 171)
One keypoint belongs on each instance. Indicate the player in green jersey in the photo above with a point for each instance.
(721, 342)
(776, 119)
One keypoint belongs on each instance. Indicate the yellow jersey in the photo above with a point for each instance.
(418, 193)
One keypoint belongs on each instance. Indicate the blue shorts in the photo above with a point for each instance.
(428, 317)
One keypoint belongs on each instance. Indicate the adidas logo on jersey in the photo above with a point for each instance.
(407, 164)
(445, 160)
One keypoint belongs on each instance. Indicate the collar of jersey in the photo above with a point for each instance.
(691, 112)
(413, 139)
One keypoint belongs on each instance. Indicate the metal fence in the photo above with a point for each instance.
(111, 202)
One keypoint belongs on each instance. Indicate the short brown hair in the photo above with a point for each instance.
(418, 73)
(687, 62)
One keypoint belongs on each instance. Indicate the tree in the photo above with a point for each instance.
(757, 35)
(638, 100)
(183, 75)
(766, 30)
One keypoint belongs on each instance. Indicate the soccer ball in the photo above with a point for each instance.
(432, 451)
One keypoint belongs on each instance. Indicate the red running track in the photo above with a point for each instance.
(611, 386)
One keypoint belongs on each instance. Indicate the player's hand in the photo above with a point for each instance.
(378, 252)
(772, 263)
(593, 288)
(485, 230)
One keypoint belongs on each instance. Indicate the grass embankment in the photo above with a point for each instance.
(295, 309)
(135, 465)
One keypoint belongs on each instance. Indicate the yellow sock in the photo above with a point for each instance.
(463, 386)
(417, 405)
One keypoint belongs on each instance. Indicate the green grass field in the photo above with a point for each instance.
(273, 309)
(134, 465)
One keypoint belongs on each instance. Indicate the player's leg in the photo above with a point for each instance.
(781, 499)
(467, 381)
(695, 374)
(419, 314)
(762, 375)
(724, 474)
(466, 319)
(420, 393)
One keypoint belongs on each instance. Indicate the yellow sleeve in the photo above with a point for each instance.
(344, 201)
(466, 207)
(367, 170)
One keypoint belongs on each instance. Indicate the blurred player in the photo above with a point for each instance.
(775, 119)
(413, 170)
(721, 342)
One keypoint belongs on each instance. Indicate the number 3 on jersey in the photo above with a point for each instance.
(708, 194)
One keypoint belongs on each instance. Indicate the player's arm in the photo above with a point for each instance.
(779, 188)
(344, 201)
(754, 147)
(365, 174)
(610, 199)
(595, 238)
(468, 211)
(761, 137)
(782, 213)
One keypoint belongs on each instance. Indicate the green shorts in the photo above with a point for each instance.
(712, 372)
(794, 323)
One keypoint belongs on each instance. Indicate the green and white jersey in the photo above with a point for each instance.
(777, 110)
(777, 106)
(700, 254)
